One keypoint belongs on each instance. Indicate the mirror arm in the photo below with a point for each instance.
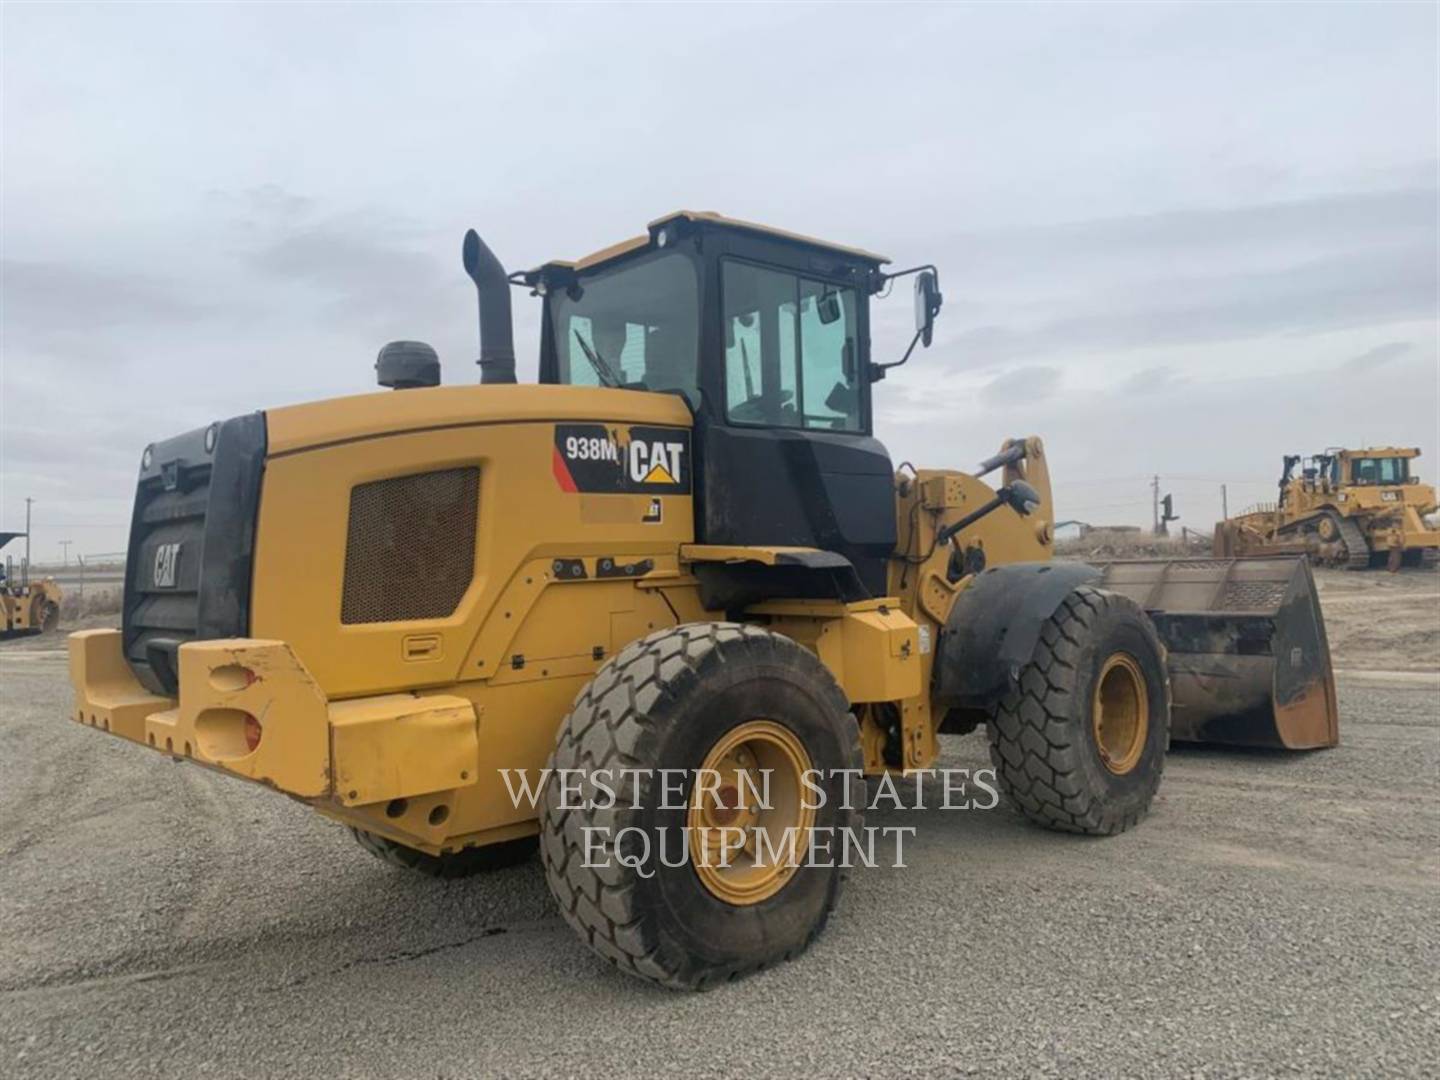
(880, 281)
(883, 279)
(877, 371)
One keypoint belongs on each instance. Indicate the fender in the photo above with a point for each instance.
(994, 625)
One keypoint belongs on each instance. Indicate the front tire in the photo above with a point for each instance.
(711, 695)
(1079, 744)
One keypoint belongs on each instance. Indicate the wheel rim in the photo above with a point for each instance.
(1120, 713)
(746, 869)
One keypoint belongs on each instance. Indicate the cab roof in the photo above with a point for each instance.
(1379, 451)
(708, 219)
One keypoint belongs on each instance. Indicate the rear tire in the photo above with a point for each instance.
(452, 864)
(1079, 745)
(672, 701)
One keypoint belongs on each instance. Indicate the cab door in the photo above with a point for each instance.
(787, 454)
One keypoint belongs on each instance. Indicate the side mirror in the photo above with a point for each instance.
(1021, 496)
(927, 305)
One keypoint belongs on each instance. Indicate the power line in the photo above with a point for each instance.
(1133, 504)
(90, 524)
(1144, 478)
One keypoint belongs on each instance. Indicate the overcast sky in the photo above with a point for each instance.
(1173, 239)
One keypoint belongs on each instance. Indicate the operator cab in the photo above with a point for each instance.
(1378, 469)
(766, 335)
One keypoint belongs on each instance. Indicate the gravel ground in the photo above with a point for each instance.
(1276, 915)
(1382, 621)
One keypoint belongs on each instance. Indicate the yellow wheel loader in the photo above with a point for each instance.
(27, 607)
(1359, 509)
(663, 615)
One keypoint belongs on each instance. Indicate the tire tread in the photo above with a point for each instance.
(606, 728)
(1032, 745)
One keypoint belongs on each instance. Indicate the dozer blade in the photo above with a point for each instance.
(1249, 662)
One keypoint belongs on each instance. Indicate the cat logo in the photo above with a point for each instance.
(167, 557)
(618, 459)
(656, 462)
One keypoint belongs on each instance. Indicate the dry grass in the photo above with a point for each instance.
(98, 600)
(1108, 544)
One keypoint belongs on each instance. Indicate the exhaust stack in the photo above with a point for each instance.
(497, 336)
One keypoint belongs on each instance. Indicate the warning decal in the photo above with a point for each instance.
(598, 458)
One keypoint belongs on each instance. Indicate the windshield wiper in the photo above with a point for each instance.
(602, 369)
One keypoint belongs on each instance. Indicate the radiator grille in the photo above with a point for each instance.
(410, 550)
(196, 502)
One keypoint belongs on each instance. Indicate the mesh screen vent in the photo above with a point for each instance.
(410, 551)
(1252, 595)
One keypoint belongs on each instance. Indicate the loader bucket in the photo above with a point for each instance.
(1249, 663)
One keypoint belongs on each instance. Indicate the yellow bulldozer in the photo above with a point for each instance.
(1358, 509)
(662, 616)
(27, 607)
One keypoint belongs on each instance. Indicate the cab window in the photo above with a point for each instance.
(636, 327)
(1387, 470)
(790, 350)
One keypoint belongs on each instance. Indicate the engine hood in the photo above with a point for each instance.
(295, 428)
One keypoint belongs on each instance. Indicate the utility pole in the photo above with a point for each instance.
(65, 552)
(1155, 505)
(26, 575)
(1224, 504)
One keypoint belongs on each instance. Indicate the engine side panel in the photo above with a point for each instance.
(536, 529)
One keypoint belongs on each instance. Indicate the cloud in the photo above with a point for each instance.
(364, 261)
(44, 300)
(262, 206)
(1024, 384)
(1379, 355)
(352, 257)
(1152, 380)
(197, 225)
(1155, 281)
(1257, 229)
(1103, 446)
